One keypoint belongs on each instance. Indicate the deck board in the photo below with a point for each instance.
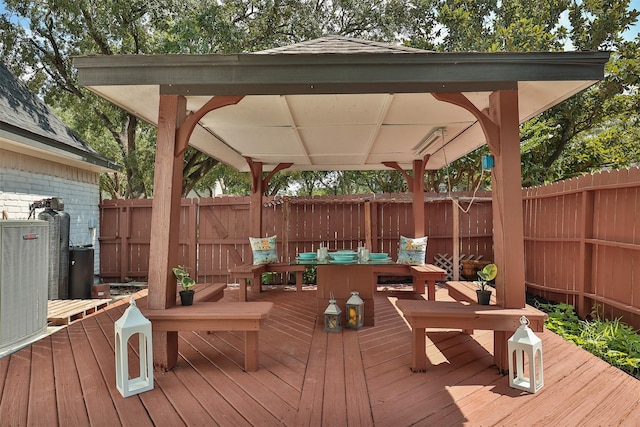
(308, 377)
(41, 407)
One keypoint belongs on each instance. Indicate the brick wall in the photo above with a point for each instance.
(24, 179)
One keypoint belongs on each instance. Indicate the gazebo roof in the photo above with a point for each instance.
(337, 103)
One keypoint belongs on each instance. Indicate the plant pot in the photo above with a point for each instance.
(483, 297)
(186, 297)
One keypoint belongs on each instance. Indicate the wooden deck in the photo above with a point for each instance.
(308, 377)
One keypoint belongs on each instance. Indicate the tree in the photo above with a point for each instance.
(39, 37)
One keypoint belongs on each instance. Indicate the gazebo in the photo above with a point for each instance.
(337, 103)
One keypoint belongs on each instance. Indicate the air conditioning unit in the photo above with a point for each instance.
(24, 259)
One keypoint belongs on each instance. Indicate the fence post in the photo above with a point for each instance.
(123, 232)
(456, 241)
(585, 265)
(367, 224)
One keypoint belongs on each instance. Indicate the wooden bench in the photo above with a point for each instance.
(422, 314)
(428, 274)
(205, 292)
(216, 316)
(466, 291)
(242, 273)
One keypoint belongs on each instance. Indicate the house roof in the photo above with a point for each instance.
(337, 103)
(28, 125)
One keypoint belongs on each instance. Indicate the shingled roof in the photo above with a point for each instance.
(341, 44)
(27, 121)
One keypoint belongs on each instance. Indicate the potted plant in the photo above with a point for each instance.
(186, 294)
(487, 274)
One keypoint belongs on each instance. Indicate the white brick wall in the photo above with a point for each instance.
(20, 188)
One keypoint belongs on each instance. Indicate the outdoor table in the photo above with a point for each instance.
(340, 279)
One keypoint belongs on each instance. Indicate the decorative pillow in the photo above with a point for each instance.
(412, 251)
(264, 250)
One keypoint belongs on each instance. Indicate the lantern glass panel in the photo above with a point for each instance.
(355, 311)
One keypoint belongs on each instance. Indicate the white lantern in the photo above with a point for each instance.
(355, 311)
(526, 348)
(131, 323)
(332, 321)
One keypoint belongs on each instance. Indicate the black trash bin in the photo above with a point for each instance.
(80, 272)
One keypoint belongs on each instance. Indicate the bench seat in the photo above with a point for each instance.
(422, 314)
(466, 291)
(216, 316)
(252, 272)
(205, 292)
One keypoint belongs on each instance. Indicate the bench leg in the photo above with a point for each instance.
(242, 297)
(418, 350)
(299, 281)
(431, 285)
(418, 286)
(251, 351)
(256, 284)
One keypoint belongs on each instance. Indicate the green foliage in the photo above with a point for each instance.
(182, 274)
(611, 340)
(310, 275)
(594, 129)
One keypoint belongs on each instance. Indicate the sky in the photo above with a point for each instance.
(629, 34)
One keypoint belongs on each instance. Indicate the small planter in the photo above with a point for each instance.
(483, 297)
(186, 297)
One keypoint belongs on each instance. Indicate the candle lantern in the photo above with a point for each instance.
(526, 348)
(133, 323)
(355, 311)
(332, 322)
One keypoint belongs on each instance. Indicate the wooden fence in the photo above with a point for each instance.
(214, 231)
(582, 236)
(582, 243)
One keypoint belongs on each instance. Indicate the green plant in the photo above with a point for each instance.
(611, 340)
(487, 274)
(268, 278)
(183, 277)
(310, 274)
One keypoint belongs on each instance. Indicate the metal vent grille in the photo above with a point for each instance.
(23, 281)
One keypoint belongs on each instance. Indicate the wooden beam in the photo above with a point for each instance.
(165, 218)
(368, 226)
(255, 204)
(508, 228)
(419, 167)
(278, 168)
(415, 184)
(456, 240)
(489, 127)
(189, 124)
(407, 177)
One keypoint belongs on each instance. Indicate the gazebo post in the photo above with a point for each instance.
(255, 202)
(508, 230)
(415, 184)
(165, 216)
(418, 196)
(500, 125)
(258, 187)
